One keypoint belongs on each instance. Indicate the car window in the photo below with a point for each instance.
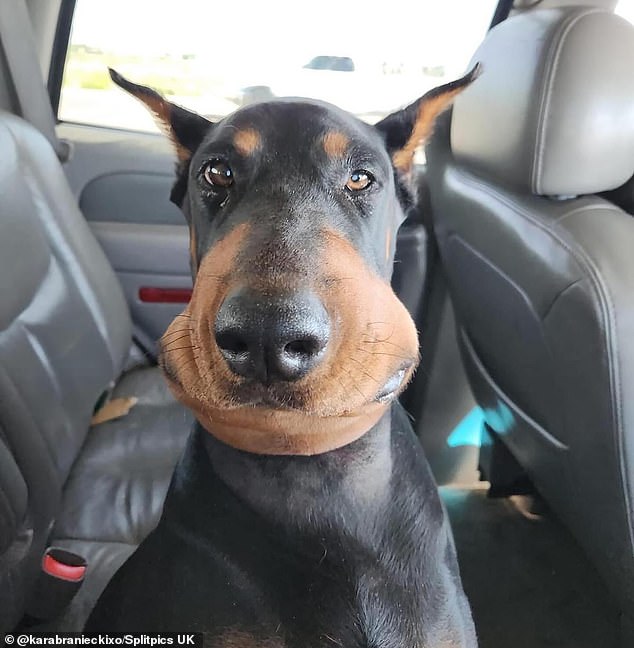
(625, 8)
(367, 58)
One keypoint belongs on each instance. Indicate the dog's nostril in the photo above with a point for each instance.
(306, 347)
(232, 343)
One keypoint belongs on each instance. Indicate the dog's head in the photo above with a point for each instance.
(293, 342)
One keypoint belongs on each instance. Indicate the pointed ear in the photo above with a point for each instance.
(404, 131)
(186, 129)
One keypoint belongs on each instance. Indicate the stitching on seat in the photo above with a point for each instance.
(608, 318)
(551, 64)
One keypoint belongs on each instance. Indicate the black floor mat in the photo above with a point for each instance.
(529, 583)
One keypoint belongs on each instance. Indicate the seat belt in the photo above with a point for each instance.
(61, 575)
(20, 51)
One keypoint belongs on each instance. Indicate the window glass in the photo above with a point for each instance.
(366, 57)
(625, 8)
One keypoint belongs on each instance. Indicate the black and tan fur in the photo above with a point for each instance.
(303, 513)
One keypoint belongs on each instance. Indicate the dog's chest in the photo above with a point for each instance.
(348, 605)
(320, 569)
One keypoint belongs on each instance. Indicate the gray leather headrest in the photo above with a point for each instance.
(553, 111)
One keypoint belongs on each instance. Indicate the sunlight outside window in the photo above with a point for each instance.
(625, 8)
(368, 59)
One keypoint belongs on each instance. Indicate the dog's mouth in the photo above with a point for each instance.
(280, 397)
(336, 403)
(394, 385)
(291, 397)
(285, 396)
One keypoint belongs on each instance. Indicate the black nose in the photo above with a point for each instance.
(272, 338)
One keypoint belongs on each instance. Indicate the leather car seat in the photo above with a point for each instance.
(65, 333)
(541, 269)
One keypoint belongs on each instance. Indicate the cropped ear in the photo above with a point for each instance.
(405, 130)
(186, 129)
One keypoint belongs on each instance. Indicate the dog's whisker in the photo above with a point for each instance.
(363, 370)
(172, 349)
(385, 324)
(182, 329)
(354, 384)
(185, 355)
(168, 339)
(374, 343)
(187, 359)
(170, 345)
(186, 364)
(384, 353)
(397, 347)
(178, 339)
(386, 341)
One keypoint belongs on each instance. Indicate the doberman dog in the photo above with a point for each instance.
(303, 513)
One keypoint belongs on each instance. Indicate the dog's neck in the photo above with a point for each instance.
(342, 484)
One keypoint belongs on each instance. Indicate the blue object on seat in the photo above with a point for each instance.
(469, 431)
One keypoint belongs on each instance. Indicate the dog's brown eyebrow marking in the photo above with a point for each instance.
(246, 141)
(335, 143)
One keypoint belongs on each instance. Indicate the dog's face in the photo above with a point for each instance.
(294, 341)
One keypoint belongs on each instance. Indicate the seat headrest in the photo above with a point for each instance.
(553, 111)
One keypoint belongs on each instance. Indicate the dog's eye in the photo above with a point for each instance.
(359, 180)
(218, 174)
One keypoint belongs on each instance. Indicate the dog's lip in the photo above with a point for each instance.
(254, 394)
(392, 386)
(262, 398)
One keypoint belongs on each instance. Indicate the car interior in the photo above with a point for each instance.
(516, 263)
